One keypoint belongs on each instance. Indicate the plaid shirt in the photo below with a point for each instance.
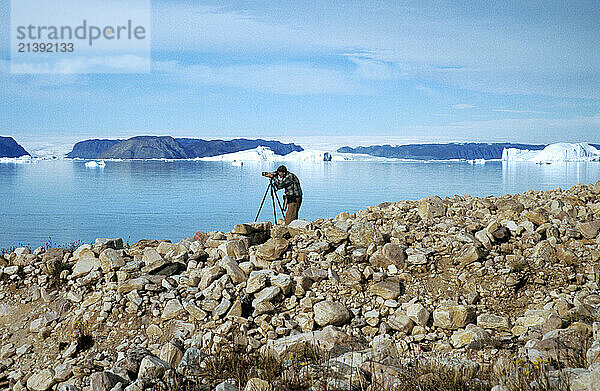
(290, 183)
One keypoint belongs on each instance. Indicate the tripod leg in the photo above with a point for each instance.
(262, 203)
(279, 203)
(274, 209)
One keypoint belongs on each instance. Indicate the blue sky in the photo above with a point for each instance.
(404, 71)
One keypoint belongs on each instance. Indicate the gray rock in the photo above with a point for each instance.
(171, 353)
(153, 367)
(257, 280)
(226, 386)
(256, 384)
(110, 260)
(104, 381)
(401, 323)
(41, 381)
(298, 227)
(87, 263)
(418, 314)
(283, 281)
(330, 313)
(234, 271)
(173, 309)
(266, 294)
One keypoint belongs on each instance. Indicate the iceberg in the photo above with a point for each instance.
(265, 154)
(26, 159)
(93, 164)
(559, 152)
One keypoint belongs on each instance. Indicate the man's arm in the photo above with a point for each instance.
(282, 183)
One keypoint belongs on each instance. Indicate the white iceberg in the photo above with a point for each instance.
(265, 154)
(17, 160)
(559, 152)
(93, 164)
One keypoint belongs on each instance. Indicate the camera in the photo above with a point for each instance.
(266, 173)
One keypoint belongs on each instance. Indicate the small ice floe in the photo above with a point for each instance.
(93, 164)
(476, 161)
(237, 163)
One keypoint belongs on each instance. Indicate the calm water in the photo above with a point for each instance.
(65, 201)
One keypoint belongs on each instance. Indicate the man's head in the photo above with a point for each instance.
(281, 171)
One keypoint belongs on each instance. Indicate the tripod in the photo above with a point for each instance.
(271, 189)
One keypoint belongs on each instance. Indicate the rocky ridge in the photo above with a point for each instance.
(468, 282)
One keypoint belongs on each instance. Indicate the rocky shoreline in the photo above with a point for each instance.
(491, 288)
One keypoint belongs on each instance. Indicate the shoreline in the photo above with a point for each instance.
(465, 281)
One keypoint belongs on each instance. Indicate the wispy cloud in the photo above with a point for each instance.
(520, 111)
(288, 78)
(463, 106)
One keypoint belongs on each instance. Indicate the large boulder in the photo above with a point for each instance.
(298, 227)
(110, 260)
(389, 254)
(330, 313)
(331, 340)
(431, 207)
(494, 322)
(272, 249)
(87, 262)
(590, 229)
(152, 367)
(472, 337)
(450, 316)
(104, 381)
(41, 381)
(388, 289)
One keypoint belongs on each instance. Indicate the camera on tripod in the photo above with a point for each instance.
(271, 189)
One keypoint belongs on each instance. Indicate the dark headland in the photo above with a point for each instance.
(166, 147)
(10, 148)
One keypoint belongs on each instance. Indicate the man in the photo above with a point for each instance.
(293, 192)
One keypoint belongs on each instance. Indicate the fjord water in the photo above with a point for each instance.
(64, 201)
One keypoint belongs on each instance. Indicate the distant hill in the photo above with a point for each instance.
(467, 151)
(91, 149)
(206, 148)
(166, 147)
(145, 147)
(10, 148)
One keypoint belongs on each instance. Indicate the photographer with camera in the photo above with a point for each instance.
(283, 179)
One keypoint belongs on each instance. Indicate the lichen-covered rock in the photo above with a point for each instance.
(494, 322)
(364, 233)
(473, 337)
(431, 207)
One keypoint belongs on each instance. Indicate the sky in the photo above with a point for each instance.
(348, 71)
